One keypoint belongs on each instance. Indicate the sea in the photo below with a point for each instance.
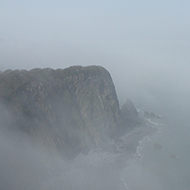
(164, 157)
(155, 156)
(152, 156)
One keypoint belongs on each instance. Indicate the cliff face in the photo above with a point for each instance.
(70, 110)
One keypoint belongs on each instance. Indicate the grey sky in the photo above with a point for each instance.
(144, 41)
(144, 44)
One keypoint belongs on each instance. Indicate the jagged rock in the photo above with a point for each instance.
(129, 116)
(70, 110)
(151, 115)
(129, 110)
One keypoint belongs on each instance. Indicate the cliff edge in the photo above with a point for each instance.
(70, 110)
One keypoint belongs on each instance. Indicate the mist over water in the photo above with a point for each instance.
(164, 162)
(26, 164)
(160, 162)
(145, 46)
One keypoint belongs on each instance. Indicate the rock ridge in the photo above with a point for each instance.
(70, 110)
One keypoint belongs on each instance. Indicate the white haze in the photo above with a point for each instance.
(145, 46)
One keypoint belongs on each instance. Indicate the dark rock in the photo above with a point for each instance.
(173, 156)
(129, 110)
(151, 115)
(129, 116)
(71, 110)
(157, 146)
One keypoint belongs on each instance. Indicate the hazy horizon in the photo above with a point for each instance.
(143, 44)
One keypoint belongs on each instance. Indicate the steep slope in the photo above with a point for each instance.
(70, 110)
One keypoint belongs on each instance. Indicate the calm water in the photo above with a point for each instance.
(165, 156)
(160, 162)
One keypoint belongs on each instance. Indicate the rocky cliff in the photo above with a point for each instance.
(70, 110)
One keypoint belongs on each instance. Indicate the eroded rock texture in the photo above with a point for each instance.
(70, 110)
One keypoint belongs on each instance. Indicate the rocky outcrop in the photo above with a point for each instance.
(129, 116)
(129, 110)
(70, 110)
(151, 115)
